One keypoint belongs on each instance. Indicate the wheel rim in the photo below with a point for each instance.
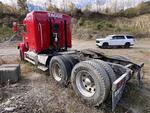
(105, 45)
(85, 83)
(57, 72)
(127, 45)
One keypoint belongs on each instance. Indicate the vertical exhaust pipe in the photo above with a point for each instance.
(65, 32)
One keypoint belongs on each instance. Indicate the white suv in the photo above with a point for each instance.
(116, 40)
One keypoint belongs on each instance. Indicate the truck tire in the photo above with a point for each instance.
(127, 45)
(111, 74)
(90, 82)
(60, 69)
(72, 59)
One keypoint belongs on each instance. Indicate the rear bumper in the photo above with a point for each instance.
(118, 86)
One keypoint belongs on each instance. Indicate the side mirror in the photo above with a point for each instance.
(15, 27)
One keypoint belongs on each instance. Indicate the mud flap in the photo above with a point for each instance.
(119, 85)
(139, 75)
(118, 88)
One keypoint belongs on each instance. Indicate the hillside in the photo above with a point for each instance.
(90, 25)
(98, 26)
(133, 21)
(8, 15)
(91, 28)
(142, 8)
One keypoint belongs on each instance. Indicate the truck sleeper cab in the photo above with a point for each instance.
(46, 30)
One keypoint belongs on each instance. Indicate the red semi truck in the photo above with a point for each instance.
(93, 75)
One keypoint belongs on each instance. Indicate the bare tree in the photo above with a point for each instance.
(107, 2)
(65, 5)
(123, 2)
(22, 6)
(114, 5)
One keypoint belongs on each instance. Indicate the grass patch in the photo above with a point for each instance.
(5, 32)
(28, 67)
(135, 98)
(104, 25)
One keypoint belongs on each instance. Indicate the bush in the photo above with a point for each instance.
(87, 11)
(99, 25)
(74, 11)
(81, 22)
(104, 25)
(131, 12)
(5, 32)
(52, 8)
(142, 8)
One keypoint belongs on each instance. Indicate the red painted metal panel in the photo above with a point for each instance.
(37, 35)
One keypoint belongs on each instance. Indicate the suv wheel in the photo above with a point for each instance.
(105, 45)
(127, 45)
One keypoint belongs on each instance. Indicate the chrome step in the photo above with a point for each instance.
(31, 61)
(43, 68)
(31, 57)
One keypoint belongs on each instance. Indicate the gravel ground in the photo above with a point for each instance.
(36, 92)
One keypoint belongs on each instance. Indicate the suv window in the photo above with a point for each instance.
(118, 37)
(130, 37)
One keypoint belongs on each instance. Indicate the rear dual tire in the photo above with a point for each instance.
(60, 68)
(90, 82)
(111, 74)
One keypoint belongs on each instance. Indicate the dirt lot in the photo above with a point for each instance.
(36, 92)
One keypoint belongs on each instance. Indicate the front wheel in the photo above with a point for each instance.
(105, 45)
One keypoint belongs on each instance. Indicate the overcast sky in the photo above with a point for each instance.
(83, 3)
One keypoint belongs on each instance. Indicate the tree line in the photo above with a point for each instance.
(69, 7)
(7, 9)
